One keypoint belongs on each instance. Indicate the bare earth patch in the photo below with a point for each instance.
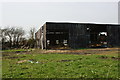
(22, 61)
(98, 51)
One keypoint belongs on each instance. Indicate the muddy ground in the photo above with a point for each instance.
(82, 51)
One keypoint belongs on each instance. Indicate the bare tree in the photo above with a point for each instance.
(9, 32)
(14, 34)
(19, 32)
(31, 40)
(2, 35)
(32, 33)
(1, 38)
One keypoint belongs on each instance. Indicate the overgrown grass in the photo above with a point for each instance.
(60, 66)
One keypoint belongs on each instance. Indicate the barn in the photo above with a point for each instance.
(77, 35)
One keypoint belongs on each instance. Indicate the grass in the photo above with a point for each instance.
(14, 50)
(60, 65)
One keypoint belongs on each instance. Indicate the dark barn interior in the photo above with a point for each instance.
(55, 35)
(98, 36)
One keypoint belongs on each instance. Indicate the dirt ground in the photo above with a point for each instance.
(98, 51)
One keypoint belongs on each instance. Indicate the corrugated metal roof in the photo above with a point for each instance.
(85, 23)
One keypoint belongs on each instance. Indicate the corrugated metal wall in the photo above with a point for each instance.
(78, 36)
(77, 33)
(113, 36)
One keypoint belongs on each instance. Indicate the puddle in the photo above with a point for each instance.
(105, 57)
(65, 60)
(72, 53)
(69, 60)
(5, 55)
(14, 57)
(115, 58)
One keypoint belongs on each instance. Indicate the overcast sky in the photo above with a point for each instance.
(35, 14)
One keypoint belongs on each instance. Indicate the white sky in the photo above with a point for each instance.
(119, 12)
(59, 0)
(34, 13)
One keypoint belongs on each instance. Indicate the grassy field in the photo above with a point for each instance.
(87, 63)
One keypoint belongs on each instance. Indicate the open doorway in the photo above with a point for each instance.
(98, 36)
(57, 38)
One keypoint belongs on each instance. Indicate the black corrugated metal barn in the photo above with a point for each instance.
(77, 35)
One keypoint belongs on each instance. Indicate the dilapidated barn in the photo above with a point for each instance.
(77, 35)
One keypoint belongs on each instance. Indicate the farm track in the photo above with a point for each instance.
(82, 51)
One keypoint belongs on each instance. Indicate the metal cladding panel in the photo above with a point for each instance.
(52, 26)
(113, 36)
(77, 37)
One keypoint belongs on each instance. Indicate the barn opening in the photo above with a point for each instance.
(57, 38)
(98, 36)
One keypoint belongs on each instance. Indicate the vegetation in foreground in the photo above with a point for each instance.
(35, 64)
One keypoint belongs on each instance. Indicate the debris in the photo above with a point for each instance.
(31, 61)
(21, 61)
(37, 62)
